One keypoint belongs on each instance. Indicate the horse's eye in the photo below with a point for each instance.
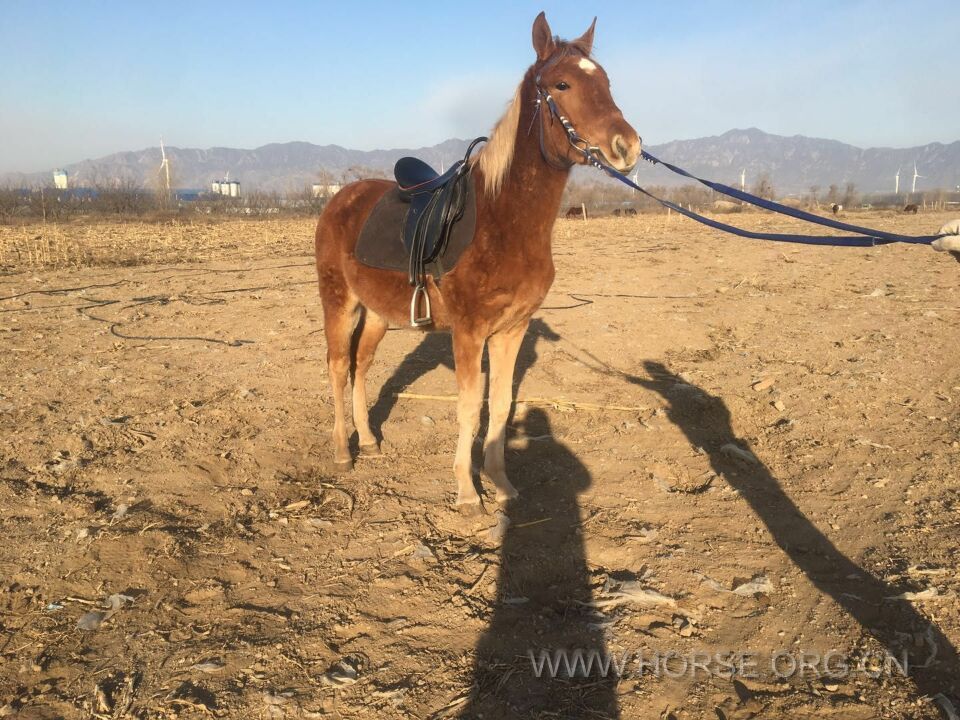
(562, 86)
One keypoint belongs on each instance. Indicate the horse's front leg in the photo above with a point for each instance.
(502, 349)
(467, 351)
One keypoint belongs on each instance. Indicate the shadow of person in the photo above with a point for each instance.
(543, 583)
(706, 422)
(542, 593)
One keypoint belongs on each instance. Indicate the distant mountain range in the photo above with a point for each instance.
(794, 164)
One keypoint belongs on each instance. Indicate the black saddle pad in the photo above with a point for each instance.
(381, 240)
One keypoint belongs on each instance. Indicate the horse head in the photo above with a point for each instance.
(577, 109)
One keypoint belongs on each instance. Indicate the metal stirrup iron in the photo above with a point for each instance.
(417, 320)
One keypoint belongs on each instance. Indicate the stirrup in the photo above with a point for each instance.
(419, 321)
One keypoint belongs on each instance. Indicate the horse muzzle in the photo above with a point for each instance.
(625, 151)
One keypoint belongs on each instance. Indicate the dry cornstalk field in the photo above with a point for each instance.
(722, 447)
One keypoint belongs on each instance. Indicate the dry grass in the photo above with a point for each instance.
(98, 243)
(123, 243)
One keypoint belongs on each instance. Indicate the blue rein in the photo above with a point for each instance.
(867, 237)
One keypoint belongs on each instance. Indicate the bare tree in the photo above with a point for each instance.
(12, 202)
(764, 187)
(121, 196)
(260, 202)
(833, 195)
(359, 172)
(850, 196)
(305, 202)
(692, 196)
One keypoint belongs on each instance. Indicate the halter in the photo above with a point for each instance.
(594, 156)
(591, 153)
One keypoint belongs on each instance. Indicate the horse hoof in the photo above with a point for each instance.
(343, 465)
(371, 450)
(471, 510)
(505, 497)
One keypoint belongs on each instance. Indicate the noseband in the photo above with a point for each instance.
(591, 153)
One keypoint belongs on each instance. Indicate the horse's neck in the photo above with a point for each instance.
(532, 190)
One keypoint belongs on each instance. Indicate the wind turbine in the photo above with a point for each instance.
(164, 167)
(896, 183)
(913, 188)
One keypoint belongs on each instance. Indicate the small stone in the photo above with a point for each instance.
(427, 420)
(738, 453)
(762, 385)
(778, 404)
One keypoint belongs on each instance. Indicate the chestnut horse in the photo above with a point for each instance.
(502, 277)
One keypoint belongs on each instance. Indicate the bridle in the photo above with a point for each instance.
(591, 153)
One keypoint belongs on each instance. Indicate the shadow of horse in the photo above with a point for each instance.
(436, 350)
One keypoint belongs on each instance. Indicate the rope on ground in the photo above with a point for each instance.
(58, 291)
(558, 403)
(200, 299)
(584, 299)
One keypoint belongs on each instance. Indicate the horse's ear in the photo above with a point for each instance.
(543, 41)
(585, 42)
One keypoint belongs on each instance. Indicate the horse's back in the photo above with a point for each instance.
(342, 219)
(341, 275)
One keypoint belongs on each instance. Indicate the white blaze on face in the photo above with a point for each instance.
(587, 65)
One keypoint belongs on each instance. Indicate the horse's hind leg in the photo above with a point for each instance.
(502, 349)
(339, 320)
(368, 335)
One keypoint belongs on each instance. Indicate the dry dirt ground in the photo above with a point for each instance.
(764, 460)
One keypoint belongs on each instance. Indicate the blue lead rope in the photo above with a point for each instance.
(866, 237)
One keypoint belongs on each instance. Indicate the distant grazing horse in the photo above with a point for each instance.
(575, 212)
(501, 278)
(837, 208)
(630, 212)
(911, 209)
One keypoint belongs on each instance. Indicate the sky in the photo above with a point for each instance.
(83, 80)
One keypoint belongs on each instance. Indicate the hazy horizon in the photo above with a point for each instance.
(429, 145)
(99, 79)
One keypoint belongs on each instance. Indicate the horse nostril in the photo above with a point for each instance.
(620, 146)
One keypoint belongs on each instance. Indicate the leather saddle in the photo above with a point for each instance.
(432, 206)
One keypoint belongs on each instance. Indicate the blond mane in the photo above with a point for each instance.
(495, 157)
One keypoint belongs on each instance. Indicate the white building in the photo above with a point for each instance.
(227, 188)
(60, 179)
